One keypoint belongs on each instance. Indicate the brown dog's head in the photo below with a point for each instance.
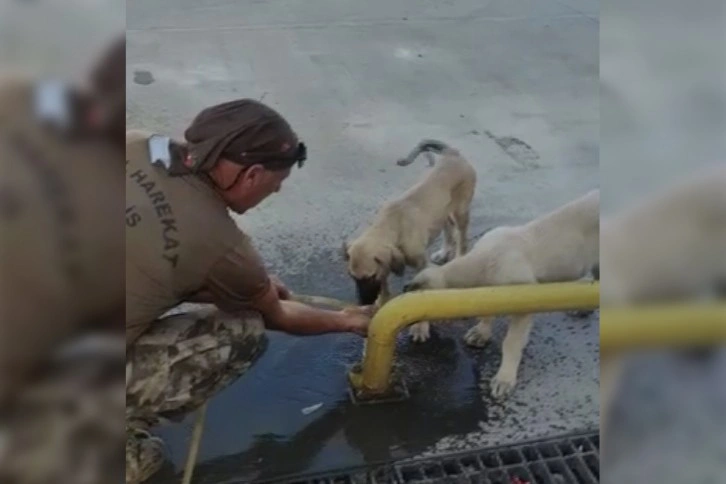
(369, 264)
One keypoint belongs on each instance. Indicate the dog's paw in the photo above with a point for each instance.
(502, 385)
(441, 256)
(420, 332)
(476, 338)
(580, 313)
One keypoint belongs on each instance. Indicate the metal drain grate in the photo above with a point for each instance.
(565, 460)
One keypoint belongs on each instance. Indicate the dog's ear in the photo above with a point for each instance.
(344, 250)
(391, 259)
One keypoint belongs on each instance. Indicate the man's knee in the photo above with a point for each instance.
(203, 328)
(244, 333)
(71, 407)
(245, 325)
(206, 339)
(185, 359)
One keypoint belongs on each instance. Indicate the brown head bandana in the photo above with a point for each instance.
(244, 131)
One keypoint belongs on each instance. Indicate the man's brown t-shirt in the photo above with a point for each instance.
(61, 231)
(180, 239)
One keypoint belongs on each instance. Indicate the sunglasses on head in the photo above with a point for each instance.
(274, 161)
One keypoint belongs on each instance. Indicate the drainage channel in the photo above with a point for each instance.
(572, 459)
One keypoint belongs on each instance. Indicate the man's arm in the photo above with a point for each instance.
(297, 318)
(238, 281)
(205, 296)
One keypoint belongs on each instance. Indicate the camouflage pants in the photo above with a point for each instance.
(66, 424)
(178, 364)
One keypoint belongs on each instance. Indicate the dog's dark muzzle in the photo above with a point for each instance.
(368, 290)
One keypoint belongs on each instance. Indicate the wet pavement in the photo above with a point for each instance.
(257, 429)
(514, 85)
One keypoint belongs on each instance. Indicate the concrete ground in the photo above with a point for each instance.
(513, 84)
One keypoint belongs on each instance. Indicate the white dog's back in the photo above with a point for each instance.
(565, 244)
(562, 245)
(671, 245)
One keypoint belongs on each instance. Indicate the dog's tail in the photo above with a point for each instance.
(427, 146)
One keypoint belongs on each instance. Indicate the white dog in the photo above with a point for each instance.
(670, 246)
(562, 245)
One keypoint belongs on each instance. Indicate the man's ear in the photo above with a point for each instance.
(252, 174)
(398, 262)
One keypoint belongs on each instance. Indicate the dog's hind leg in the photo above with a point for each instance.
(450, 247)
(461, 221)
(420, 332)
(514, 343)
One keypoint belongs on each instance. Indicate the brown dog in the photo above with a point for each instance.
(405, 227)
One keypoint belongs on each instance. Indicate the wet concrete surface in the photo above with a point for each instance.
(256, 429)
(513, 85)
(668, 423)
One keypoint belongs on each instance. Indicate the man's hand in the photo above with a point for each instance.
(297, 318)
(359, 318)
(282, 292)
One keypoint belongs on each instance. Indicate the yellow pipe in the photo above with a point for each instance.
(662, 326)
(412, 307)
